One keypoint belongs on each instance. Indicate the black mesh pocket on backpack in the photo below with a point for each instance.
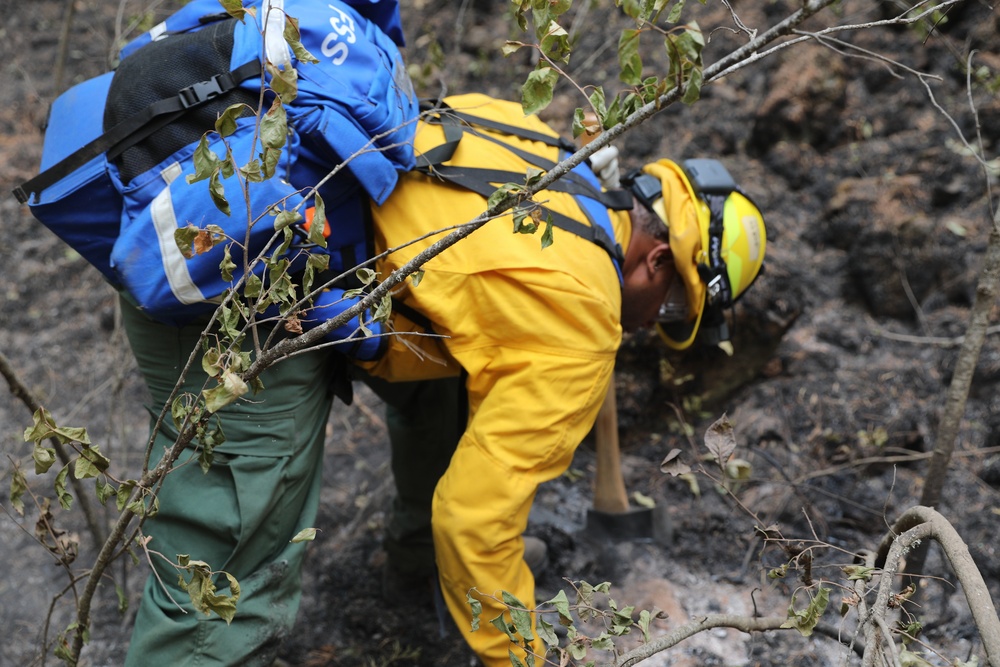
(159, 71)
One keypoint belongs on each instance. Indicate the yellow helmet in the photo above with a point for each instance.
(717, 238)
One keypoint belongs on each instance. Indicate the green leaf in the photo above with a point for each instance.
(205, 160)
(235, 8)
(201, 589)
(523, 222)
(519, 615)
(536, 93)
(18, 487)
(547, 632)
(416, 277)
(510, 47)
(859, 572)
(286, 218)
(105, 490)
(547, 234)
(384, 309)
(314, 264)
(44, 427)
(645, 618)
(293, 38)
(477, 609)
(209, 439)
(180, 409)
(252, 171)
(137, 506)
(579, 122)
(122, 600)
(274, 126)
(304, 535)
(232, 388)
(281, 289)
(532, 175)
(319, 218)
(643, 500)
(675, 12)
(693, 91)
(621, 622)
(805, 620)
(603, 643)
(218, 192)
(286, 243)
(253, 286)
(555, 42)
(501, 193)
(599, 103)
(366, 275)
(124, 491)
(739, 469)
(577, 651)
(561, 603)
(65, 497)
(514, 660)
(629, 60)
(500, 624)
(911, 659)
(227, 267)
(44, 458)
(229, 322)
(228, 166)
(184, 237)
(91, 463)
(225, 124)
(614, 114)
(284, 82)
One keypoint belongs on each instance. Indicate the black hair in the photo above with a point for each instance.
(649, 222)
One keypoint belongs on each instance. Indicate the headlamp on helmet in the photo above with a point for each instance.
(717, 238)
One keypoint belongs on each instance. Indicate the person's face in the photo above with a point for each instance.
(645, 288)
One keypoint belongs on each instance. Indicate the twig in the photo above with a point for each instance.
(921, 523)
(931, 340)
(64, 33)
(741, 623)
(893, 650)
(29, 400)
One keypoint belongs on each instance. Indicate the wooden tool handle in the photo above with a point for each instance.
(609, 485)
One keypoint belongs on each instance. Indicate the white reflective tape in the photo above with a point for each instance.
(275, 47)
(165, 223)
(157, 31)
(751, 225)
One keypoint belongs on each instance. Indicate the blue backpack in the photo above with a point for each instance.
(118, 147)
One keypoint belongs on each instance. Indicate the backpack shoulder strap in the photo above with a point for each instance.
(484, 180)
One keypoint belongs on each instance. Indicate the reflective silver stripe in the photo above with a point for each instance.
(275, 46)
(165, 223)
(157, 31)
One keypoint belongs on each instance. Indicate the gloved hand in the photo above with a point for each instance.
(604, 162)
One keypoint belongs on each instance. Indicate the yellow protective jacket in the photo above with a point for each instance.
(535, 329)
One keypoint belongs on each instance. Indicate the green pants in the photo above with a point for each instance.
(262, 488)
(425, 420)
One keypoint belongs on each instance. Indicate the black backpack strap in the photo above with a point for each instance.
(481, 181)
(138, 126)
(455, 124)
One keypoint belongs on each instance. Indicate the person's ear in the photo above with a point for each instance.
(658, 257)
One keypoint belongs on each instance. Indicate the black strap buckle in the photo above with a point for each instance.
(200, 92)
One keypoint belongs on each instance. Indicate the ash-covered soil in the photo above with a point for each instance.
(878, 220)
